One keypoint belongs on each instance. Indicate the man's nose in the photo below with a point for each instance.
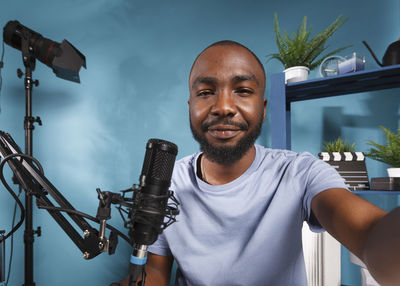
(224, 104)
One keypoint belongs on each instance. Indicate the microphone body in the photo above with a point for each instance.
(152, 200)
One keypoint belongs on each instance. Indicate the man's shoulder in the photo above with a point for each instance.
(283, 155)
(186, 163)
(187, 160)
(266, 151)
(271, 151)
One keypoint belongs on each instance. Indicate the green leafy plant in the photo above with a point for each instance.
(339, 145)
(300, 50)
(389, 153)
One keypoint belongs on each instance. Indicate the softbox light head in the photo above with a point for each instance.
(64, 58)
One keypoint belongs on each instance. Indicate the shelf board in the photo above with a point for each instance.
(376, 192)
(367, 80)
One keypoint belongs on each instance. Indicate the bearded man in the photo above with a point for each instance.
(243, 205)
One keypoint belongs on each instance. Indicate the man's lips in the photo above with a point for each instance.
(223, 131)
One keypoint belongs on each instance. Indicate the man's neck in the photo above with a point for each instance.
(217, 174)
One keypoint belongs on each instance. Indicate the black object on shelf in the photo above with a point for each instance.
(385, 183)
(349, 165)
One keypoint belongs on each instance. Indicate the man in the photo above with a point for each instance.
(243, 205)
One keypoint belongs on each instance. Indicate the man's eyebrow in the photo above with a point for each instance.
(204, 80)
(245, 77)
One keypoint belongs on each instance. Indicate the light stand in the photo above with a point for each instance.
(66, 61)
(29, 63)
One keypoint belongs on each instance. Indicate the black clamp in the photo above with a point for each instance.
(103, 214)
(30, 120)
(38, 232)
(20, 73)
(29, 234)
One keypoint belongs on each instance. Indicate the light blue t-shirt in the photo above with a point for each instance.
(246, 232)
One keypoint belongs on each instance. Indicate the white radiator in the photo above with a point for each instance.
(322, 258)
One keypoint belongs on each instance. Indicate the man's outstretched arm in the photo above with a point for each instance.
(364, 229)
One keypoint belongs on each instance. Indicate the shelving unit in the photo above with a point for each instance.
(283, 95)
(371, 192)
(281, 98)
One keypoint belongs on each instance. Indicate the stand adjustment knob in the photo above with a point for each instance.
(38, 120)
(38, 232)
(19, 73)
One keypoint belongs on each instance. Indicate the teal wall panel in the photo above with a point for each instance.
(139, 54)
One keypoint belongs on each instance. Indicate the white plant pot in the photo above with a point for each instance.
(295, 74)
(393, 172)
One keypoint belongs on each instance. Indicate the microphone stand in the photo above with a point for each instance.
(137, 208)
(31, 178)
(29, 63)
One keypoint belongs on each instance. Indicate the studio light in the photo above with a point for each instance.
(64, 58)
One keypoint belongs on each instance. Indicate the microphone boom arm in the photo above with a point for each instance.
(35, 183)
(149, 210)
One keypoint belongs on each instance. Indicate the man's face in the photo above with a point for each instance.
(226, 104)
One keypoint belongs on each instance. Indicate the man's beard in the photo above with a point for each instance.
(226, 155)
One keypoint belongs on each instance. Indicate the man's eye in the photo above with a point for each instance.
(205, 93)
(244, 91)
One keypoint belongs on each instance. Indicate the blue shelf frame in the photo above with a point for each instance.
(282, 95)
(376, 192)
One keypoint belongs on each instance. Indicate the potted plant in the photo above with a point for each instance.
(299, 53)
(350, 164)
(339, 145)
(388, 153)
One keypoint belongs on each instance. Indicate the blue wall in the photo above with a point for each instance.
(138, 56)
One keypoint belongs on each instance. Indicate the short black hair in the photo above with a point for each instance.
(229, 43)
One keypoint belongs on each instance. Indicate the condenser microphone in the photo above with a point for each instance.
(151, 202)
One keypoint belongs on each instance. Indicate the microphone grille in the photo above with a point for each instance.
(159, 161)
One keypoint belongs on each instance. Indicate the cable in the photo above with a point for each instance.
(12, 240)
(85, 216)
(9, 157)
(1, 66)
(2, 163)
(13, 195)
(39, 166)
(14, 214)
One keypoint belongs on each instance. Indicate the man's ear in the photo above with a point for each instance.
(265, 109)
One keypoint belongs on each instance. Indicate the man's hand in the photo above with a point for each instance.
(158, 271)
(366, 230)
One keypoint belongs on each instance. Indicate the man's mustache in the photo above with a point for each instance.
(205, 126)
